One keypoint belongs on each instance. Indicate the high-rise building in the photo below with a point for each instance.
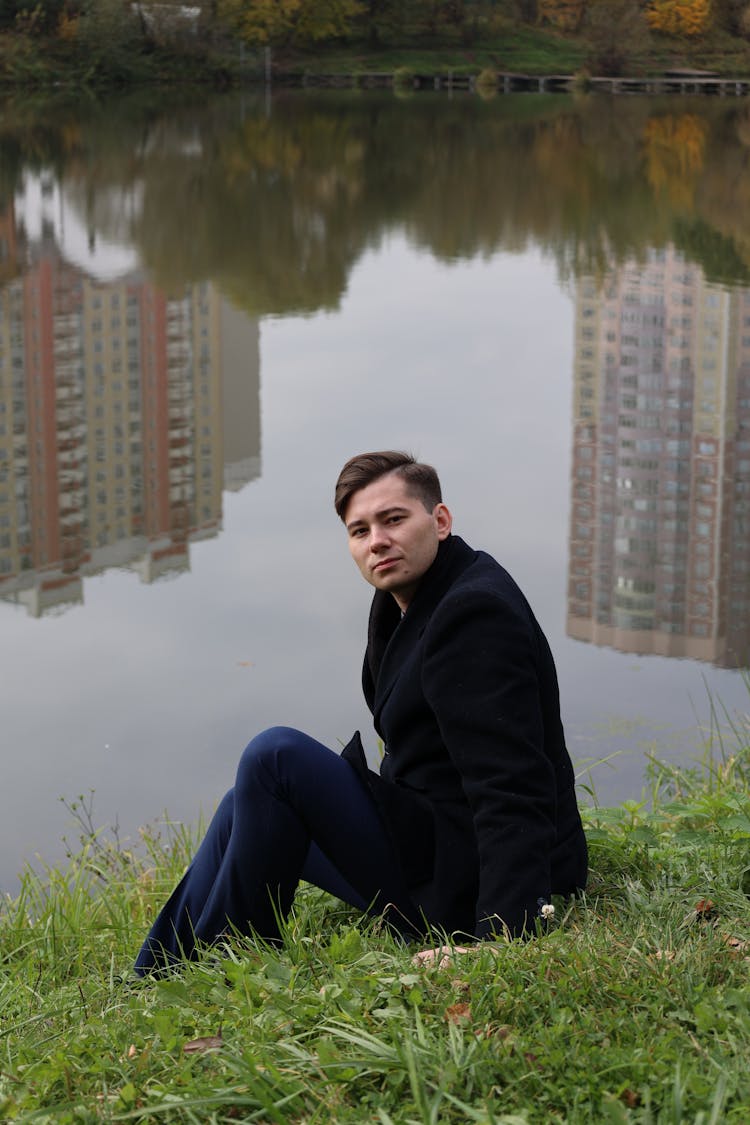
(110, 426)
(124, 410)
(240, 347)
(659, 558)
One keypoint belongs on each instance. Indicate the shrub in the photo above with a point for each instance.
(486, 80)
(109, 37)
(403, 78)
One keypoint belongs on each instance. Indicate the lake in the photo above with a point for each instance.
(206, 307)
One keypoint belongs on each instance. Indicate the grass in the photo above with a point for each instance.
(523, 49)
(514, 47)
(634, 1007)
(35, 62)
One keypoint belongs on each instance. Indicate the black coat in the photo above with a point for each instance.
(476, 785)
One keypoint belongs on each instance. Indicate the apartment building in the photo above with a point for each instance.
(659, 548)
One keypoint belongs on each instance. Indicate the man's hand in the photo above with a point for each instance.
(442, 955)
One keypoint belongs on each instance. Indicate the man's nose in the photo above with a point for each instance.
(379, 537)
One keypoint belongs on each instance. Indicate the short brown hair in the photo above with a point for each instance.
(421, 480)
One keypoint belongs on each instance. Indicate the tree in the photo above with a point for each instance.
(35, 17)
(264, 22)
(617, 31)
(563, 14)
(690, 18)
(325, 19)
(674, 148)
(383, 19)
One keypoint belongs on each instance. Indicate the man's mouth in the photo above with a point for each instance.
(384, 564)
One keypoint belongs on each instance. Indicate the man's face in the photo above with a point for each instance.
(392, 537)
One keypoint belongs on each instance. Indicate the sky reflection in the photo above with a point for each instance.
(146, 692)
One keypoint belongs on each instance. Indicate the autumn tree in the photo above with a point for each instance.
(674, 148)
(566, 15)
(263, 22)
(689, 18)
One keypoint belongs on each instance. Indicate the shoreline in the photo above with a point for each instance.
(507, 82)
(631, 1006)
(404, 82)
(518, 58)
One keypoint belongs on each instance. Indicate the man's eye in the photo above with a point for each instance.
(395, 519)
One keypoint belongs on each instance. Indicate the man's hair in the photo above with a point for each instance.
(421, 480)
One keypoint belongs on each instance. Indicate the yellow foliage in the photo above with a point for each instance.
(67, 27)
(563, 14)
(675, 151)
(261, 22)
(690, 18)
(266, 20)
(325, 19)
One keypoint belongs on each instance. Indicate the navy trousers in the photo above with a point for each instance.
(297, 811)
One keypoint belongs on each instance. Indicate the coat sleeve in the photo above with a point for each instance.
(482, 677)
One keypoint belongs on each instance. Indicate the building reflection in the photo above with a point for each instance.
(124, 412)
(660, 506)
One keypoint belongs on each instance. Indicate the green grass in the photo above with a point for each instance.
(522, 49)
(516, 48)
(634, 1007)
(35, 63)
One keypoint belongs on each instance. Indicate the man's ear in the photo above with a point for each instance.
(443, 520)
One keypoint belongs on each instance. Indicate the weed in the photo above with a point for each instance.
(632, 1008)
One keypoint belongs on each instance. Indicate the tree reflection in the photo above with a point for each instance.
(277, 205)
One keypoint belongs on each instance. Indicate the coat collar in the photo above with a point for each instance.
(388, 632)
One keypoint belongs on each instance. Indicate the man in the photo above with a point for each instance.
(472, 823)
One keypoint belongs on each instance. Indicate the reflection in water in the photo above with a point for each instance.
(124, 410)
(660, 507)
(432, 234)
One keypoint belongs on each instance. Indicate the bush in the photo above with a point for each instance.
(403, 78)
(486, 80)
(109, 38)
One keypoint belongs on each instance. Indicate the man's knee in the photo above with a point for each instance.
(265, 756)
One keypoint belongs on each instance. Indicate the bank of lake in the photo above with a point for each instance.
(632, 1007)
(34, 63)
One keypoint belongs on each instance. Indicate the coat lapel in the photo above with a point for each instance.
(390, 636)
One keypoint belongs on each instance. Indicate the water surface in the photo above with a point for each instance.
(204, 310)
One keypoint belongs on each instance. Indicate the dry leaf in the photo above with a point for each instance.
(664, 955)
(461, 986)
(203, 1044)
(705, 908)
(631, 1098)
(736, 945)
(132, 1051)
(457, 1013)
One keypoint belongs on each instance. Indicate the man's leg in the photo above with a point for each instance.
(297, 810)
(172, 937)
